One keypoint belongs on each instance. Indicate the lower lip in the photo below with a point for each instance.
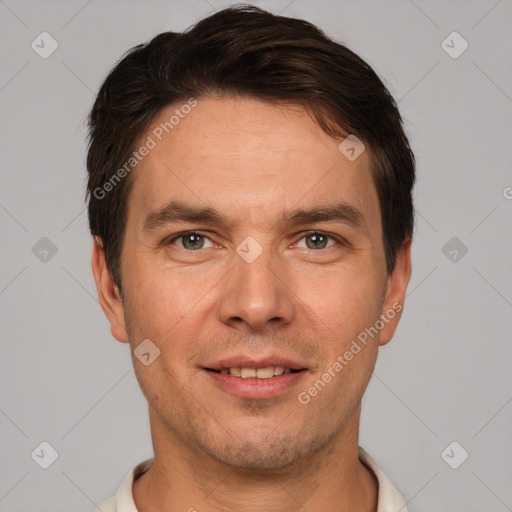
(256, 388)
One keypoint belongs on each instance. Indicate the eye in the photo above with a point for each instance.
(191, 240)
(318, 240)
(194, 241)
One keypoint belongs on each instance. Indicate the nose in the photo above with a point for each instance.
(257, 295)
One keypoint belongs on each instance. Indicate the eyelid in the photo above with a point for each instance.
(337, 238)
(301, 235)
(168, 241)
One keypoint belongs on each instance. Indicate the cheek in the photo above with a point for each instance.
(346, 301)
(163, 295)
(167, 307)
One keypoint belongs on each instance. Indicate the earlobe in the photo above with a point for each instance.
(108, 293)
(395, 294)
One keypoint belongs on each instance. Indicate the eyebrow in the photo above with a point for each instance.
(177, 211)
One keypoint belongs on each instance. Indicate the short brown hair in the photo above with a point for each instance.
(246, 51)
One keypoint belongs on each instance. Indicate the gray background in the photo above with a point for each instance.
(446, 375)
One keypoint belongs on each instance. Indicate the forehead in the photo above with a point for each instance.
(249, 159)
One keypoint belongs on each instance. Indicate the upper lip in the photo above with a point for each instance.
(244, 361)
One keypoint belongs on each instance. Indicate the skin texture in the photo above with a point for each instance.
(214, 451)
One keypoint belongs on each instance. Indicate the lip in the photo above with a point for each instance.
(255, 388)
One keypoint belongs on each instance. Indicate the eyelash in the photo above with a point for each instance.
(336, 238)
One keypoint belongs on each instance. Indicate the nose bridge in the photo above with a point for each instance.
(256, 293)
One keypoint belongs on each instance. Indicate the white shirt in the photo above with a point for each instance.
(390, 499)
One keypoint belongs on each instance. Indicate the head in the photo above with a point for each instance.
(238, 130)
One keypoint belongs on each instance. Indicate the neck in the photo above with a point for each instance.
(183, 478)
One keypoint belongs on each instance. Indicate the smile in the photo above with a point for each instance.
(255, 373)
(255, 383)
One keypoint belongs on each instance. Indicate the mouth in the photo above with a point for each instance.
(267, 372)
(250, 379)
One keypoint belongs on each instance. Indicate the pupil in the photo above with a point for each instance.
(317, 237)
(195, 243)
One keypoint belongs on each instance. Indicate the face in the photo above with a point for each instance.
(253, 246)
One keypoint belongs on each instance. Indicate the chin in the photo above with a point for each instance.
(267, 455)
(255, 458)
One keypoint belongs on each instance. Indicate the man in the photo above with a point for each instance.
(250, 201)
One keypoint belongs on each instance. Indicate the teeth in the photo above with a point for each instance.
(259, 373)
(247, 373)
(265, 373)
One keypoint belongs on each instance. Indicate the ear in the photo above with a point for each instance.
(395, 293)
(108, 293)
